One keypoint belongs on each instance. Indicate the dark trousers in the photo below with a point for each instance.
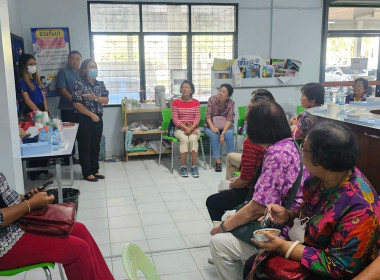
(68, 116)
(89, 136)
(218, 203)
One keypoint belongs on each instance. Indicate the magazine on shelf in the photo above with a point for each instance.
(268, 71)
(293, 64)
(277, 63)
(221, 64)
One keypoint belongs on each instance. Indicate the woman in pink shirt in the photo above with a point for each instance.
(186, 116)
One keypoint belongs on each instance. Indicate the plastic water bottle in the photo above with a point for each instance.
(43, 136)
(55, 141)
(327, 96)
(59, 137)
(340, 98)
(49, 134)
(171, 134)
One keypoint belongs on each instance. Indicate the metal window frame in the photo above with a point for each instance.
(345, 33)
(141, 34)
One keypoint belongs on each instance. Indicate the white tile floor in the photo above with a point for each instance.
(163, 213)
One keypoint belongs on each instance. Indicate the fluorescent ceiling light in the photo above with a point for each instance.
(331, 22)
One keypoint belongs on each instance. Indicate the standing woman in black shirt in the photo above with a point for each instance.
(88, 99)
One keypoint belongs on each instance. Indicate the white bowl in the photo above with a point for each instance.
(259, 236)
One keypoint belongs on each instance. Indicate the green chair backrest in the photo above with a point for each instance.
(300, 109)
(166, 118)
(134, 259)
(203, 116)
(14, 271)
(242, 111)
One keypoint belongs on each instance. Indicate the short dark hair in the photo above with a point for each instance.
(83, 66)
(229, 88)
(267, 123)
(314, 91)
(364, 81)
(262, 94)
(74, 52)
(190, 84)
(333, 146)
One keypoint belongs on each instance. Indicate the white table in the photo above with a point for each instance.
(69, 134)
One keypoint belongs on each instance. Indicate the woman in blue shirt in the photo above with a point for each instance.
(30, 85)
(360, 91)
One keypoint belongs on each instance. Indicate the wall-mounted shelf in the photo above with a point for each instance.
(260, 82)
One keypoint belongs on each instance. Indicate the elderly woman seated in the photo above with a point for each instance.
(78, 252)
(341, 211)
(267, 127)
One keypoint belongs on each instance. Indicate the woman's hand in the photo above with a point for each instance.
(216, 230)
(221, 139)
(274, 243)
(90, 96)
(279, 215)
(293, 121)
(214, 129)
(95, 118)
(32, 193)
(40, 200)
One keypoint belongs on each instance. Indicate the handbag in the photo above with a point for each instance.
(245, 232)
(54, 220)
(219, 122)
(270, 266)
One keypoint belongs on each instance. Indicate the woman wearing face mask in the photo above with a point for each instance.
(88, 98)
(30, 85)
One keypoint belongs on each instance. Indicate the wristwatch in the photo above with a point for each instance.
(96, 99)
(223, 227)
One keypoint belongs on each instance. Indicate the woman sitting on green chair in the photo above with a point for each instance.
(312, 95)
(219, 123)
(186, 116)
(79, 254)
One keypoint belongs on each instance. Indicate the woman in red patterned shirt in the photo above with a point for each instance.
(186, 116)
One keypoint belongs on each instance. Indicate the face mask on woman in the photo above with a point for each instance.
(32, 69)
(93, 73)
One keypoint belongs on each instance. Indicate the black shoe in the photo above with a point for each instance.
(91, 179)
(76, 161)
(99, 176)
(218, 167)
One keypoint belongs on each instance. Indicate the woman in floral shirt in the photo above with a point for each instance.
(89, 96)
(340, 205)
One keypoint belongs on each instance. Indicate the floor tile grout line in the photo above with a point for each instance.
(163, 251)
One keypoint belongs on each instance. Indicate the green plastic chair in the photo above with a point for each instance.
(166, 118)
(134, 259)
(242, 111)
(14, 271)
(300, 109)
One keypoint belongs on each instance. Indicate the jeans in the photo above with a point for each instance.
(214, 141)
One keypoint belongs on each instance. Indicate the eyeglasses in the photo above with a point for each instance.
(359, 87)
(76, 59)
(302, 148)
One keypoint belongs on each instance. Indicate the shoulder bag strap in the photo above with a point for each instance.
(254, 181)
(294, 189)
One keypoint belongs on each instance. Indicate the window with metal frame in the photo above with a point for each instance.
(352, 40)
(138, 45)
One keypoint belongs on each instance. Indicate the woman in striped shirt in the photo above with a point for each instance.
(186, 116)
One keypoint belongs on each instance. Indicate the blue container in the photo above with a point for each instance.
(32, 149)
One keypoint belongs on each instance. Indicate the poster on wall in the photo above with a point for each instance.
(17, 50)
(51, 47)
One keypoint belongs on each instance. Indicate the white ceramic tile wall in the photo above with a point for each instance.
(163, 213)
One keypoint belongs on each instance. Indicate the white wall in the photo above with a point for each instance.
(10, 157)
(296, 33)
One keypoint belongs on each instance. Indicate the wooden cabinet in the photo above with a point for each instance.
(145, 115)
